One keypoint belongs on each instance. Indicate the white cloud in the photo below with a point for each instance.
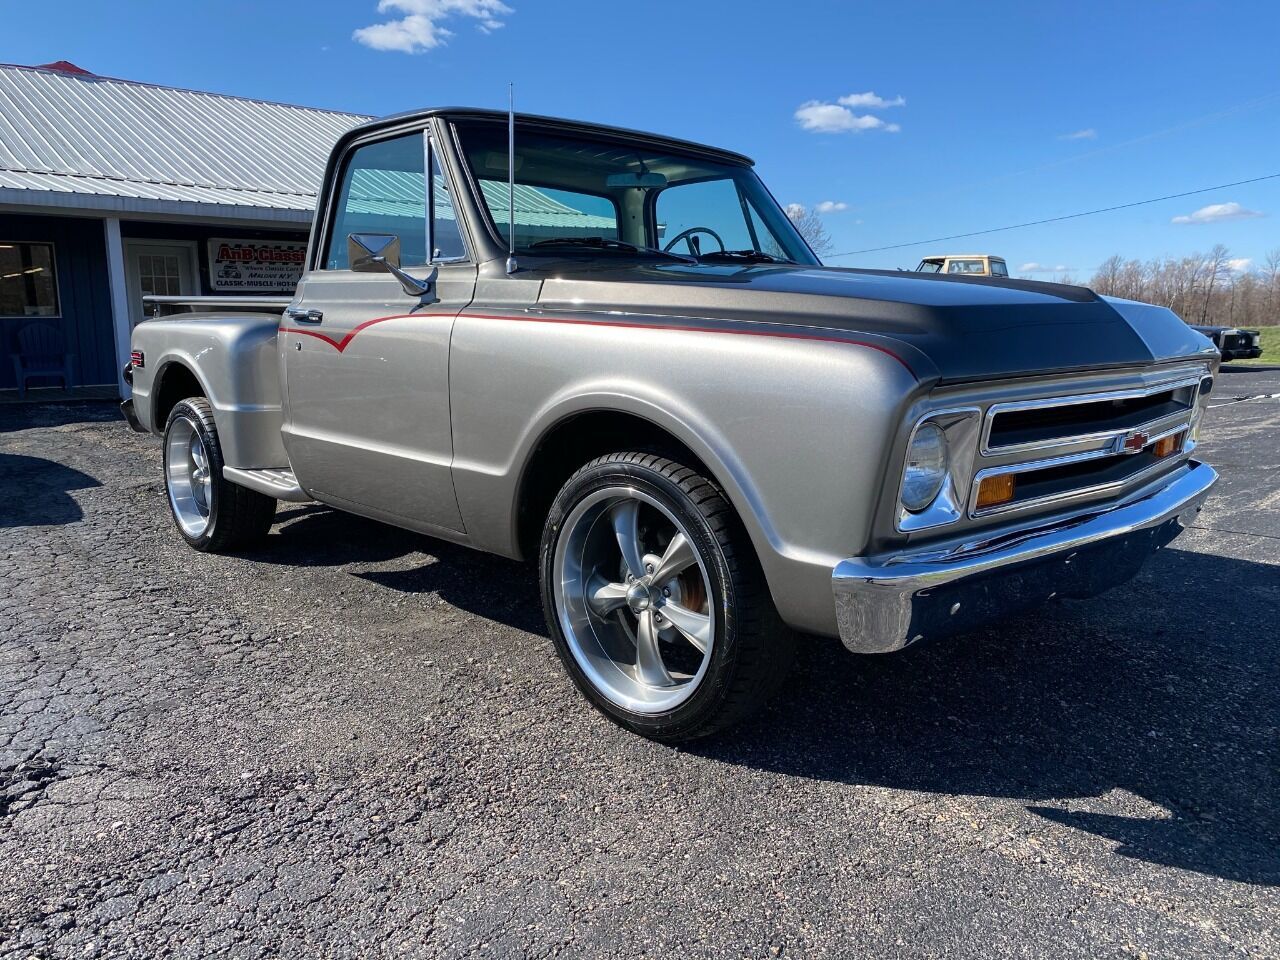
(820, 117)
(1087, 134)
(870, 101)
(1033, 267)
(1239, 264)
(796, 210)
(1216, 213)
(831, 206)
(421, 29)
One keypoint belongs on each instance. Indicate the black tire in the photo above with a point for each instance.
(752, 651)
(237, 516)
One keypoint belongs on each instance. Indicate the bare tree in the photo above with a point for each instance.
(1271, 282)
(1206, 288)
(1109, 278)
(1217, 268)
(810, 226)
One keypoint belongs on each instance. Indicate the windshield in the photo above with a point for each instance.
(929, 266)
(602, 197)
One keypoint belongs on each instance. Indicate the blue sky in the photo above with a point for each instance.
(914, 122)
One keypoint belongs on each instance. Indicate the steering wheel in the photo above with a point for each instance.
(687, 234)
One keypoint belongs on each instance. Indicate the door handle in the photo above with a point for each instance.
(304, 316)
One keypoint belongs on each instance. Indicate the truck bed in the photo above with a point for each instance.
(158, 306)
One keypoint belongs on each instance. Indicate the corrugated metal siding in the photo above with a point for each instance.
(84, 300)
(92, 135)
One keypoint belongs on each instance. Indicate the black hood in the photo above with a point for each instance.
(965, 328)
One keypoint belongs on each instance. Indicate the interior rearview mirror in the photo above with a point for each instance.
(646, 179)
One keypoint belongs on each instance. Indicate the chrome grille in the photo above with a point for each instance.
(1085, 445)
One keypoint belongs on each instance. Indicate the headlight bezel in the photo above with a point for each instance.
(959, 427)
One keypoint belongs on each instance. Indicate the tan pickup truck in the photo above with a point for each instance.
(965, 264)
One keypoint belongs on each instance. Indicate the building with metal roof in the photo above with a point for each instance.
(111, 190)
(72, 139)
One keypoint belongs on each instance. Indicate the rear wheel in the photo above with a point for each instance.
(212, 514)
(655, 600)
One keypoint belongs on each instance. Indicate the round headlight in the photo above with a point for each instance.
(926, 470)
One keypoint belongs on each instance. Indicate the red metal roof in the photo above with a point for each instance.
(65, 66)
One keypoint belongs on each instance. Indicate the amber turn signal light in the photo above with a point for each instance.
(993, 491)
(1169, 445)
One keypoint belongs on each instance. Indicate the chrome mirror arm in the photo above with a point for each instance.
(409, 284)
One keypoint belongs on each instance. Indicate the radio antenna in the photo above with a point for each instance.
(512, 266)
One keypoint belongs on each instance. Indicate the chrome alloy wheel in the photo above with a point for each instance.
(634, 600)
(188, 478)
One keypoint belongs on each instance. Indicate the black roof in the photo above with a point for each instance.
(556, 123)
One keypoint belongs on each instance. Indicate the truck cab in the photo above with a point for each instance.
(965, 265)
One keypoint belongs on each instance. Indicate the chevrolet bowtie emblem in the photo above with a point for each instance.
(1132, 442)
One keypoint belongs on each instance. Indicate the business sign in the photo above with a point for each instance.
(255, 266)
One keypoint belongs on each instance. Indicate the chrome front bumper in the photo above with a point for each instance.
(885, 604)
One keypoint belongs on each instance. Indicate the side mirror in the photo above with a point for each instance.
(380, 253)
(373, 252)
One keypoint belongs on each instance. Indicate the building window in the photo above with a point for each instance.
(28, 281)
(160, 275)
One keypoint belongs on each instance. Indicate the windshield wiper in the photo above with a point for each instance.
(744, 256)
(607, 243)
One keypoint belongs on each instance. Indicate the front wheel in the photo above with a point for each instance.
(213, 514)
(655, 599)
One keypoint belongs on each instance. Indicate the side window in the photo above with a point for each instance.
(965, 266)
(444, 222)
(713, 205)
(998, 269)
(383, 190)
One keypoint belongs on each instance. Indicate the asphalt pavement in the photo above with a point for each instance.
(356, 741)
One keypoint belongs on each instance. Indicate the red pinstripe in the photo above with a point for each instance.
(341, 345)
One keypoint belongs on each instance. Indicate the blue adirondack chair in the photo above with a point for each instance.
(42, 352)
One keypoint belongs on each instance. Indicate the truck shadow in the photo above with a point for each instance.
(1167, 688)
(28, 416)
(313, 535)
(492, 587)
(36, 492)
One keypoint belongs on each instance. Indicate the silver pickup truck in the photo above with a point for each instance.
(611, 352)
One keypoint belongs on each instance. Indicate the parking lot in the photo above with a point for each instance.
(358, 741)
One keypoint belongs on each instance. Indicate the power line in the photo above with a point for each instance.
(1069, 216)
(1086, 155)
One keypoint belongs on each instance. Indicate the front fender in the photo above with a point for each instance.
(670, 415)
(797, 433)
